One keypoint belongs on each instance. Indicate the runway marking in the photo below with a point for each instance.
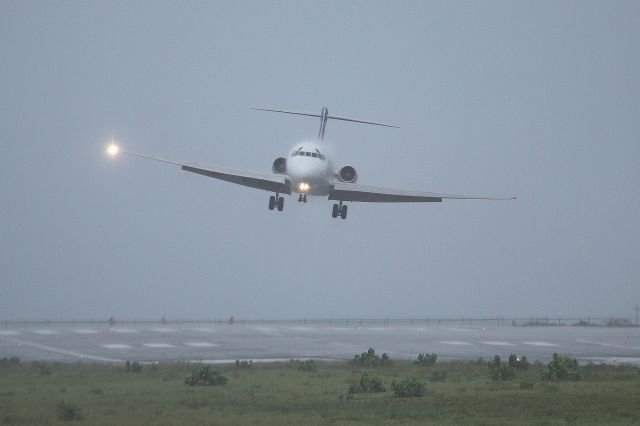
(456, 343)
(124, 330)
(268, 331)
(164, 330)
(62, 351)
(379, 328)
(259, 360)
(613, 359)
(158, 345)
(201, 344)
(9, 333)
(203, 330)
(544, 344)
(342, 329)
(115, 346)
(85, 331)
(498, 343)
(46, 332)
(608, 345)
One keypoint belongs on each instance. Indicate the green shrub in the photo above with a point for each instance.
(367, 384)
(519, 363)
(243, 364)
(308, 365)
(426, 360)
(500, 371)
(583, 323)
(43, 369)
(68, 411)
(525, 384)
(370, 359)
(438, 376)
(8, 362)
(205, 376)
(560, 368)
(134, 367)
(408, 388)
(614, 322)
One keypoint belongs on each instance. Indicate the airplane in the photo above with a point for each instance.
(308, 171)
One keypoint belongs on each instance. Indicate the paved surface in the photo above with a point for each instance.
(220, 343)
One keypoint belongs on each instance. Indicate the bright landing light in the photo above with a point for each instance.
(113, 149)
(303, 186)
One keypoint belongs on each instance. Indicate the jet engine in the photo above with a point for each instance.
(279, 166)
(348, 174)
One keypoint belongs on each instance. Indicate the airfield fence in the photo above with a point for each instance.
(591, 321)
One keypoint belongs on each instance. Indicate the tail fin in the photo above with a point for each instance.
(324, 116)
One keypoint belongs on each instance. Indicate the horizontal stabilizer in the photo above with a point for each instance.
(324, 116)
(333, 117)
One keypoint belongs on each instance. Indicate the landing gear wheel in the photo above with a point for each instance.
(280, 204)
(339, 210)
(272, 202)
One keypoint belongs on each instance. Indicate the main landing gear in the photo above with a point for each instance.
(339, 210)
(276, 201)
(302, 198)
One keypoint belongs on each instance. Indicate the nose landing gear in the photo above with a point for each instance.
(339, 210)
(276, 201)
(302, 198)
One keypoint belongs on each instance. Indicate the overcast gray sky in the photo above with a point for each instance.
(536, 99)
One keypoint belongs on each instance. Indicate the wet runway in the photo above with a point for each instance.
(226, 343)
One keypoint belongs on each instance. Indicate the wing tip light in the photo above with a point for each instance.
(113, 149)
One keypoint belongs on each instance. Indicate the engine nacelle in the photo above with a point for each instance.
(279, 166)
(348, 174)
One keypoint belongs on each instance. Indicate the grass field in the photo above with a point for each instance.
(283, 393)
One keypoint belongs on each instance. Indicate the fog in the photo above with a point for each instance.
(534, 99)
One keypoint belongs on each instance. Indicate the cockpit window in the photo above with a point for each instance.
(301, 153)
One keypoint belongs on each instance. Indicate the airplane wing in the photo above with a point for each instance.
(374, 194)
(267, 182)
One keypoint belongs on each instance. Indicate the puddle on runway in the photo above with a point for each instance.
(201, 344)
(116, 346)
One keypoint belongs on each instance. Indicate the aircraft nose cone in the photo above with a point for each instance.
(303, 168)
(307, 172)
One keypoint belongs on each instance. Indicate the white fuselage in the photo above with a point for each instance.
(310, 169)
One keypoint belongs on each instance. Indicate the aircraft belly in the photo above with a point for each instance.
(316, 186)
